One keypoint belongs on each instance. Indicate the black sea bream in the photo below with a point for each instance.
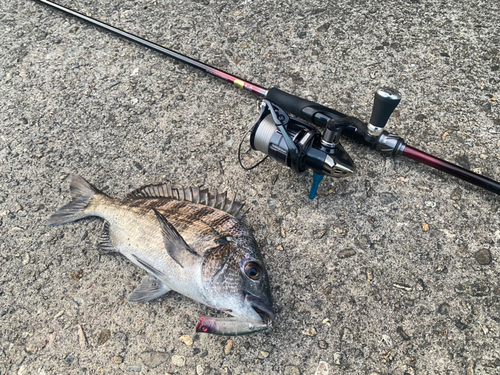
(187, 240)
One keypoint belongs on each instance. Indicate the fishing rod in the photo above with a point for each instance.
(301, 146)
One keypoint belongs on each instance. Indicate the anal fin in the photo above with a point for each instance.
(104, 243)
(149, 289)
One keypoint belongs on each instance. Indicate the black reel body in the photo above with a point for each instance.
(298, 145)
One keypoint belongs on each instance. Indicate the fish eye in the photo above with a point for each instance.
(253, 270)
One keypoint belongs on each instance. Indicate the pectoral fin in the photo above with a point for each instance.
(175, 245)
(149, 289)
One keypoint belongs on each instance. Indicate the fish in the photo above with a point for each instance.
(188, 240)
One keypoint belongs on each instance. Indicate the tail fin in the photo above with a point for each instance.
(82, 193)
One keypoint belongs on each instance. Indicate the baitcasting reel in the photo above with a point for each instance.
(301, 146)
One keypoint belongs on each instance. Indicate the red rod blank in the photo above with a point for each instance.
(454, 170)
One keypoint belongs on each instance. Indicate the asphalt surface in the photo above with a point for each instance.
(392, 271)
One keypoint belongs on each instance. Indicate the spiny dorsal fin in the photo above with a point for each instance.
(190, 194)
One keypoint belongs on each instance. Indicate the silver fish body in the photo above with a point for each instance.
(187, 240)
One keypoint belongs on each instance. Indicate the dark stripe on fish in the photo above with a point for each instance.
(221, 220)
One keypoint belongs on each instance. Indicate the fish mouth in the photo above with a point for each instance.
(261, 306)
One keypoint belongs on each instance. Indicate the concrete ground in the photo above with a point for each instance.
(392, 271)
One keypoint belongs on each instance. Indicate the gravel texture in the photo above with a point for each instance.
(392, 271)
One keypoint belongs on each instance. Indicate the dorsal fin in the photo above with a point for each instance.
(194, 195)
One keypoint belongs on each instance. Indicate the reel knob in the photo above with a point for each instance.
(386, 100)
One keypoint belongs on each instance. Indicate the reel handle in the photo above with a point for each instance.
(386, 100)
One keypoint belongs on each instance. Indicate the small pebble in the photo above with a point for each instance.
(200, 370)
(469, 370)
(117, 359)
(81, 338)
(369, 275)
(323, 344)
(483, 257)
(336, 358)
(320, 234)
(264, 354)
(346, 253)
(186, 339)
(133, 368)
(178, 360)
(420, 285)
(403, 286)
(387, 340)
(322, 368)
(456, 195)
(402, 333)
(76, 275)
(444, 309)
(460, 325)
(153, 359)
(310, 332)
(228, 347)
(425, 227)
(291, 370)
(280, 248)
(104, 336)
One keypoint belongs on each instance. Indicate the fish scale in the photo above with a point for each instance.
(188, 240)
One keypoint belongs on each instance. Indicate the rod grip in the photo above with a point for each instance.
(300, 107)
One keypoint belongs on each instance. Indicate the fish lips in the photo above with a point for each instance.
(262, 306)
